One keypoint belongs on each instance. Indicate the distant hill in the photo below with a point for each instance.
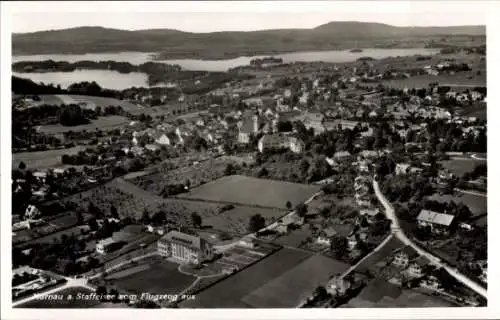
(174, 43)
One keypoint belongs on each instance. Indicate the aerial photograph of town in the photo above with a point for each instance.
(340, 165)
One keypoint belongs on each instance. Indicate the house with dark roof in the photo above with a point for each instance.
(185, 247)
(403, 257)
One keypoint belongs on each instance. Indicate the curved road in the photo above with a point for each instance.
(396, 230)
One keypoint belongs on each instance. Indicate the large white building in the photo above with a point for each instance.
(280, 141)
(185, 247)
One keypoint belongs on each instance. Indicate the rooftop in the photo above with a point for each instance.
(435, 217)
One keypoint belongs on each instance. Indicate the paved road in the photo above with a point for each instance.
(396, 229)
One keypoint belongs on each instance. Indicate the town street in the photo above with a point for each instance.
(396, 230)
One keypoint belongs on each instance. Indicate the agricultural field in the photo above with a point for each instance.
(236, 220)
(460, 166)
(196, 174)
(101, 123)
(381, 294)
(229, 292)
(90, 101)
(131, 201)
(161, 277)
(43, 159)
(64, 303)
(289, 289)
(458, 80)
(253, 192)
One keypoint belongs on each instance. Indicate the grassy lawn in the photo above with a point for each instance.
(43, 159)
(160, 278)
(252, 191)
(102, 123)
(229, 292)
(236, 220)
(461, 166)
(65, 302)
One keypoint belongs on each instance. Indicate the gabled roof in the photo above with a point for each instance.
(247, 126)
(435, 217)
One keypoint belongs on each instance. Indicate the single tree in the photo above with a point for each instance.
(22, 166)
(196, 220)
(256, 223)
(301, 209)
(288, 205)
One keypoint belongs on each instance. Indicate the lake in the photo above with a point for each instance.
(105, 78)
(115, 80)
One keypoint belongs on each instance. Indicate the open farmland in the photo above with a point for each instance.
(91, 102)
(253, 192)
(102, 123)
(64, 302)
(43, 159)
(236, 220)
(423, 81)
(460, 166)
(161, 277)
(229, 292)
(131, 201)
(289, 289)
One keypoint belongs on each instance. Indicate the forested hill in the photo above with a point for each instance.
(333, 35)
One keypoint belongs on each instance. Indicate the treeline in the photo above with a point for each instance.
(65, 66)
(265, 60)
(28, 87)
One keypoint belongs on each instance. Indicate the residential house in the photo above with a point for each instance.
(151, 147)
(105, 246)
(32, 212)
(431, 282)
(369, 213)
(417, 267)
(185, 247)
(373, 114)
(475, 96)
(352, 241)
(439, 223)
(403, 257)
(40, 176)
(462, 98)
(325, 236)
(341, 155)
(402, 168)
(338, 286)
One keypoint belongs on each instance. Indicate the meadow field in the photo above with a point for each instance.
(101, 123)
(43, 159)
(253, 192)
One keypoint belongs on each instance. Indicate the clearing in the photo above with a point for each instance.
(460, 166)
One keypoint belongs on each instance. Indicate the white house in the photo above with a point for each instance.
(438, 222)
(32, 212)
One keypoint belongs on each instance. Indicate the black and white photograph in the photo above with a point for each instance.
(246, 155)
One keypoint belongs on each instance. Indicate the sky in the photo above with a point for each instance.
(212, 16)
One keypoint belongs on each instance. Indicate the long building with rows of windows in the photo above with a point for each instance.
(185, 247)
